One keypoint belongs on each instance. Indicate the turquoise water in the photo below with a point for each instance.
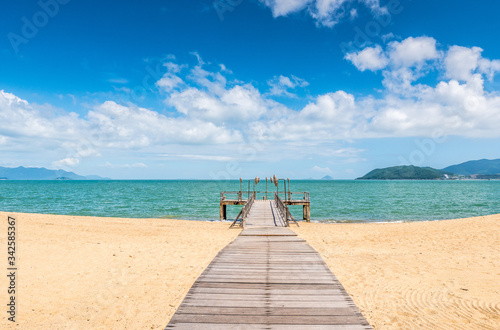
(340, 201)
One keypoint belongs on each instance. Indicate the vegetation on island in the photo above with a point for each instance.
(405, 173)
(483, 169)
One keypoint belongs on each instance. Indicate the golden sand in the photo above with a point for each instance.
(105, 273)
(111, 273)
(420, 275)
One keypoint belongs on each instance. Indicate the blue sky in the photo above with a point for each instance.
(243, 88)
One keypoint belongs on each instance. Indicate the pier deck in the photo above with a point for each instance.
(288, 198)
(267, 278)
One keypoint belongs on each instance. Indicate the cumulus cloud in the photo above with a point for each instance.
(134, 127)
(402, 62)
(412, 51)
(208, 107)
(461, 63)
(406, 108)
(370, 58)
(106, 126)
(326, 12)
(459, 106)
(208, 96)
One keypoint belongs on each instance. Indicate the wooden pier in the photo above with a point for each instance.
(267, 278)
(288, 197)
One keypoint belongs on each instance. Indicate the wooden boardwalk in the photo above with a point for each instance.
(267, 278)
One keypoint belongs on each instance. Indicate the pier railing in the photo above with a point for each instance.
(244, 212)
(284, 210)
(243, 195)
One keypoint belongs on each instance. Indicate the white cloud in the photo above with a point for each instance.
(207, 108)
(200, 157)
(18, 118)
(67, 162)
(462, 63)
(281, 85)
(134, 127)
(326, 12)
(370, 58)
(285, 7)
(324, 170)
(135, 165)
(412, 51)
(402, 62)
(106, 126)
(239, 103)
(169, 81)
(353, 14)
(405, 108)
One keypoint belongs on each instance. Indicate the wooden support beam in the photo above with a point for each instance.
(306, 212)
(222, 212)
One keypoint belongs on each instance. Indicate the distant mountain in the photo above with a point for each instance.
(40, 173)
(405, 173)
(483, 166)
(327, 177)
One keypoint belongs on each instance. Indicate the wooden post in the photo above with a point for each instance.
(222, 212)
(306, 212)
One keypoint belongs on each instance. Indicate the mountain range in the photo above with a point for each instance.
(476, 169)
(482, 169)
(482, 166)
(41, 173)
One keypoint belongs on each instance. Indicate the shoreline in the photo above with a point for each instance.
(91, 272)
(216, 220)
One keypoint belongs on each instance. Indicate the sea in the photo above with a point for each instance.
(331, 200)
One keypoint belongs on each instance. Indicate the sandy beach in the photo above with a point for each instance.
(106, 273)
(420, 275)
(113, 273)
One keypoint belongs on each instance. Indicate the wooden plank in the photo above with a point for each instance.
(295, 292)
(233, 326)
(270, 304)
(266, 311)
(265, 296)
(269, 319)
(281, 286)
